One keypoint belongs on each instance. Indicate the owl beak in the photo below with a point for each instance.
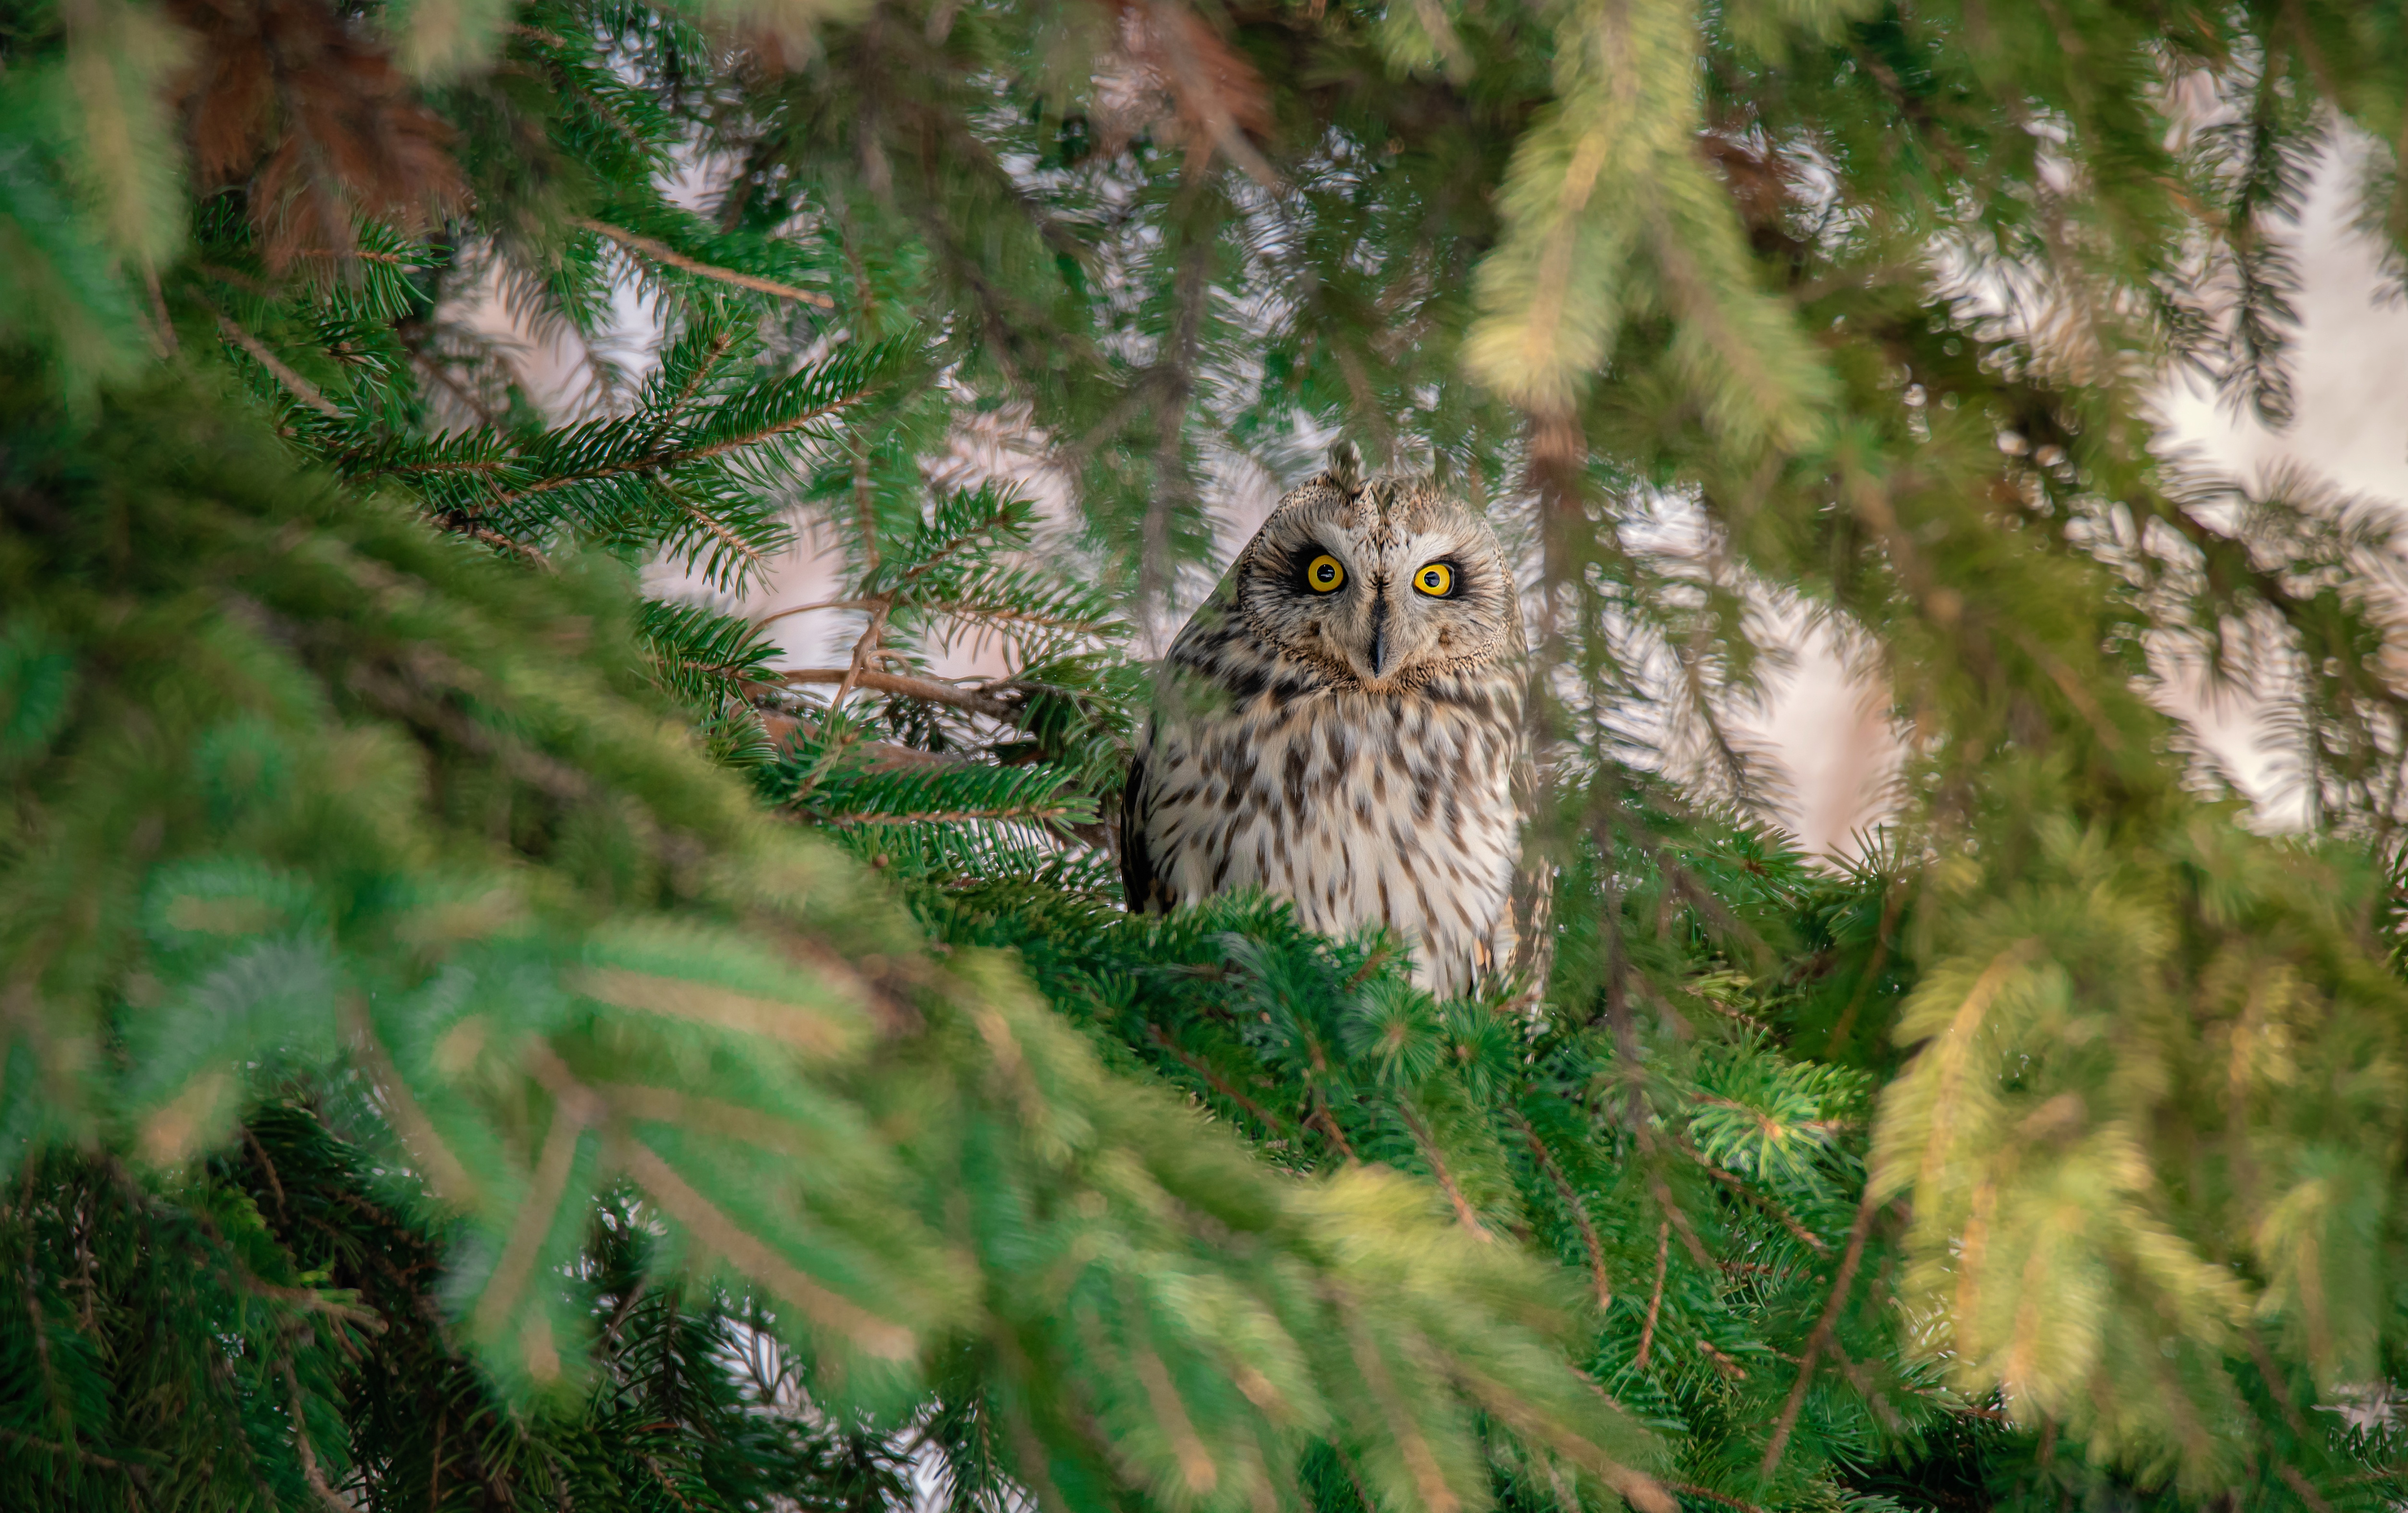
(1379, 637)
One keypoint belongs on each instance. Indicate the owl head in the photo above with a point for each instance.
(1381, 583)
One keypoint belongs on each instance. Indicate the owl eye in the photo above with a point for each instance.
(1323, 575)
(1436, 580)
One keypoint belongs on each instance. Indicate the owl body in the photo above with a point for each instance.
(1342, 725)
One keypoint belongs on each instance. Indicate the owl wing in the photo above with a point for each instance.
(1534, 895)
(1141, 881)
(1187, 682)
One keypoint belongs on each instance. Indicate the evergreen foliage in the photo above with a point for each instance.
(476, 1035)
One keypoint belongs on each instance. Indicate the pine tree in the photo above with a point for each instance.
(476, 1037)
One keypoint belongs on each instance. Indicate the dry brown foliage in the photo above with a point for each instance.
(1206, 90)
(304, 109)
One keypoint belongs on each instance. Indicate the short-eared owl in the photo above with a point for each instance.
(1341, 725)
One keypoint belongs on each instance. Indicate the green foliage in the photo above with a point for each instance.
(532, 960)
(475, 1033)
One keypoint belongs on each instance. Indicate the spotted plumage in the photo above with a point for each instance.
(1341, 725)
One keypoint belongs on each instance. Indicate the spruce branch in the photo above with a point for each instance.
(1654, 1293)
(297, 386)
(1573, 1206)
(1823, 1336)
(668, 256)
(1465, 1214)
(902, 686)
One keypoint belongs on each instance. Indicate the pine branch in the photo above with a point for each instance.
(299, 386)
(1822, 1337)
(901, 685)
(668, 256)
(1573, 1205)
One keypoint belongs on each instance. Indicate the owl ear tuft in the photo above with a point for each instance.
(1346, 467)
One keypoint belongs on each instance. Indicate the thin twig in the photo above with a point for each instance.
(661, 253)
(923, 689)
(776, 615)
(1564, 1191)
(1691, 1490)
(461, 524)
(391, 260)
(1220, 1084)
(1656, 1298)
(267, 1169)
(74, 1452)
(2306, 1489)
(1329, 1125)
(309, 1471)
(1463, 1210)
(299, 386)
(1662, 1192)
(1739, 1185)
(1822, 1335)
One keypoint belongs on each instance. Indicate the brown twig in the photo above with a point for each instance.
(73, 1452)
(310, 1472)
(1329, 1124)
(661, 253)
(1722, 1361)
(462, 525)
(299, 386)
(776, 615)
(1219, 1083)
(1571, 1201)
(1822, 1335)
(267, 1169)
(1463, 1210)
(1662, 1192)
(864, 661)
(1691, 1490)
(2306, 1490)
(1656, 1298)
(905, 687)
(1738, 1184)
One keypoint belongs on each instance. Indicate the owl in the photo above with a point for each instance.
(1342, 725)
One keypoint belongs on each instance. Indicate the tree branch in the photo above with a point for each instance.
(1463, 1210)
(1571, 1200)
(663, 253)
(1656, 1297)
(1822, 1335)
(926, 689)
(299, 386)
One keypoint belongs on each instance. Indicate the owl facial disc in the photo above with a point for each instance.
(1382, 582)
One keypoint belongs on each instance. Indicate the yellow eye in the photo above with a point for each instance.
(1324, 574)
(1436, 580)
